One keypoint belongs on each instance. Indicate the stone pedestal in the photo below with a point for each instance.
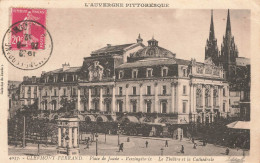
(68, 139)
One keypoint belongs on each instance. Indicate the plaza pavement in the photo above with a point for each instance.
(136, 147)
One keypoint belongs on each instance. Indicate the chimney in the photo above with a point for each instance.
(43, 72)
(65, 66)
(33, 79)
(25, 78)
(108, 45)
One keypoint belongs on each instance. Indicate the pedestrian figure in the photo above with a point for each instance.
(227, 151)
(87, 145)
(243, 152)
(182, 149)
(121, 147)
(192, 139)
(166, 143)
(194, 146)
(146, 144)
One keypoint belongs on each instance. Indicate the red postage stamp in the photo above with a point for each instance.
(28, 34)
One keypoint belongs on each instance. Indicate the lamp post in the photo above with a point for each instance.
(96, 144)
(67, 142)
(118, 131)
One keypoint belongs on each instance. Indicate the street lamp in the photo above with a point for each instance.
(67, 142)
(96, 144)
(118, 131)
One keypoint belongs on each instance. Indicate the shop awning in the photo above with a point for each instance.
(102, 118)
(91, 117)
(130, 119)
(239, 125)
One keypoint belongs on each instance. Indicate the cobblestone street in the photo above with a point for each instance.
(136, 147)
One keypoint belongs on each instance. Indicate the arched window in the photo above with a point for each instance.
(215, 97)
(207, 97)
(198, 97)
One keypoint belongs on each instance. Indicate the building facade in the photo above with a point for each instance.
(135, 83)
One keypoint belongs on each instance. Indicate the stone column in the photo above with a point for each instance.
(177, 94)
(50, 101)
(78, 99)
(89, 98)
(203, 98)
(64, 134)
(58, 103)
(190, 97)
(114, 98)
(220, 99)
(172, 98)
(203, 103)
(70, 137)
(156, 100)
(211, 97)
(127, 98)
(194, 98)
(59, 136)
(227, 98)
(101, 99)
(75, 136)
(141, 99)
(39, 98)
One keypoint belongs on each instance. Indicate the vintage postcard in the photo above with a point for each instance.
(151, 81)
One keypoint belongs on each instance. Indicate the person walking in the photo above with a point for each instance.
(121, 147)
(192, 140)
(227, 151)
(195, 146)
(166, 143)
(146, 144)
(182, 149)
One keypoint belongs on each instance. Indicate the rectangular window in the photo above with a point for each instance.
(164, 72)
(148, 107)
(108, 91)
(134, 107)
(224, 107)
(184, 89)
(64, 92)
(149, 73)
(164, 90)
(224, 92)
(35, 92)
(164, 107)
(95, 91)
(46, 93)
(134, 90)
(135, 74)
(121, 74)
(120, 91)
(148, 90)
(74, 92)
(184, 107)
(55, 92)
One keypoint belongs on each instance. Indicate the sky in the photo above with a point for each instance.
(77, 32)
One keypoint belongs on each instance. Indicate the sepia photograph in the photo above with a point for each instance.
(128, 82)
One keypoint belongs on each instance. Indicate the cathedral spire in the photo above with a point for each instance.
(228, 27)
(211, 32)
(211, 49)
(229, 51)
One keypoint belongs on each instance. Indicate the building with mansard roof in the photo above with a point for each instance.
(135, 83)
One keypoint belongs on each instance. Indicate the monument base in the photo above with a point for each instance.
(70, 151)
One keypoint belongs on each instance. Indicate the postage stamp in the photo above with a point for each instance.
(27, 44)
(27, 34)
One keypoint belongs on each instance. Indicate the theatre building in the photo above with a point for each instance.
(138, 84)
